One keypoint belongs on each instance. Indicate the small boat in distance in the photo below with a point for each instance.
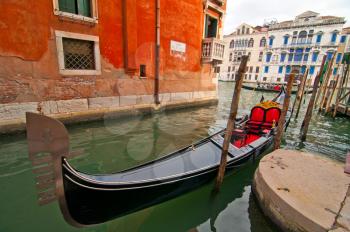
(270, 88)
(87, 199)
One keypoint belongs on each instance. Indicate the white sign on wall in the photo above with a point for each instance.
(177, 46)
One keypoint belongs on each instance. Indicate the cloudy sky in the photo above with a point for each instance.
(255, 12)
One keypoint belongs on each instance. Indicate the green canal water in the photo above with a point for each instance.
(113, 145)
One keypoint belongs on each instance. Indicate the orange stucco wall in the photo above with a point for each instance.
(28, 54)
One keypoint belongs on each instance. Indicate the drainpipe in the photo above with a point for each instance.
(156, 80)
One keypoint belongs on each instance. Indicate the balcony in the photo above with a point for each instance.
(213, 50)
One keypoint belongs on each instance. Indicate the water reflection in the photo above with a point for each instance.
(112, 145)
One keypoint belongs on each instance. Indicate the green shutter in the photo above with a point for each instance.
(67, 6)
(84, 7)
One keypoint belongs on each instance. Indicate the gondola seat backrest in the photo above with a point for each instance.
(257, 114)
(261, 118)
(272, 115)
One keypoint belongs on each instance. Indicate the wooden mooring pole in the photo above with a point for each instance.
(305, 125)
(300, 94)
(340, 90)
(282, 119)
(231, 122)
(333, 88)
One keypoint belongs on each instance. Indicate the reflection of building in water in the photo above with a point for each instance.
(82, 55)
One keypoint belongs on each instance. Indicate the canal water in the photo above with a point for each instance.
(112, 145)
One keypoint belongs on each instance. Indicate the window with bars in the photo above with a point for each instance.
(78, 54)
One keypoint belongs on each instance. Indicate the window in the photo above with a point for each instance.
(233, 76)
(246, 76)
(285, 41)
(319, 38)
(314, 56)
(306, 57)
(334, 37)
(266, 69)
(233, 68)
(335, 70)
(257, 69)
(290, 57)
(243, 30)
(217, 69)
(288, 69)
(280, 69)
(283, 57)
(78, 54)
(229, 69)
(228, 76)
(232, 44)
(298, 55)
(247, 31)
(230, 59)
(264, 78)
(211, 27)
(329, 55)
(343, 39)
(339, 56)
(268, 57)
(143, 70)
(271, 40)
(303, 69)
(256, 77)
(312, 70)
(263, 42)
(85, 10)
(278, 79)
(250, 76)
(238, 32)
(261, 54)
(302, 37)
(251, 69)
(251, 43)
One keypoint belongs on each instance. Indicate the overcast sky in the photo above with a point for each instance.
(255, 12)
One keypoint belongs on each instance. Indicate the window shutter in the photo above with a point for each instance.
(84, 7)
(67, 6)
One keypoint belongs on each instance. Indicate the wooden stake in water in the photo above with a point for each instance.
(231, 123)
(300, 92)
(340, 90)
(282, 118)
(329, 101)
(308, 115)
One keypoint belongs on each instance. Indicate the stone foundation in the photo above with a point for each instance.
(12, 115)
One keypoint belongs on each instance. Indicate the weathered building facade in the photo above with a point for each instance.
(246, 40)
(300, 44)
(63, 56)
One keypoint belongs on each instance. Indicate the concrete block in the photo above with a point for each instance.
(74, 105)
(103, 102)
(49, 107)
(145, 99)
(164, 97)
(128, 100)
(17, 110)
(184, 96)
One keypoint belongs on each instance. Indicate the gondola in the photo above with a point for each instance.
(87, 199)
(262, 89)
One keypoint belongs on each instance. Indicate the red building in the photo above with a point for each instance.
(63, 56)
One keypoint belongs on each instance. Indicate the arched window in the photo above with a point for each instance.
(251, 43)
(263, 42)
(246, 43)
(302, 37)
(243, 29)
(285, 39)
(268, 57)
(232, 44)
(271, 39)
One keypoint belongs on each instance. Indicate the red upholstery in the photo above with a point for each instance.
(272, 114)
(257, 114)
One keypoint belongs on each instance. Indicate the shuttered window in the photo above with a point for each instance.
(79, 7)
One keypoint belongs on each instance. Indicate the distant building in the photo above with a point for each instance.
(79, 55)
(246, 40)
(301, 44)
